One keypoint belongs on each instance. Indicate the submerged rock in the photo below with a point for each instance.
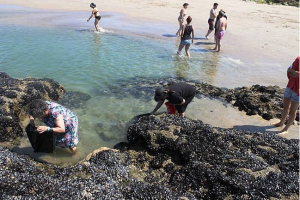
(73, 100)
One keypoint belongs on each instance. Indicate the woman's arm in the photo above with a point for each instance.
(91, 15)
(159, 104)
(193, 34)
(59, 123)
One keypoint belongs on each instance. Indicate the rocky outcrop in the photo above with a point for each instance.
(216, 163)
(281, 2)
(168, 157)
(15, 94)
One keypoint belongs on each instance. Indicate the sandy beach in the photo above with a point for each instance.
(256, 30)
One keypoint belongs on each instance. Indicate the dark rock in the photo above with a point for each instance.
(15, 95)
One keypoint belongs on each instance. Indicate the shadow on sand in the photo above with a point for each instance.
(170, 35)
(253, 128)
(204, 43)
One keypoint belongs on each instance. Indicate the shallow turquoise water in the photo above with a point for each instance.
(97, 64)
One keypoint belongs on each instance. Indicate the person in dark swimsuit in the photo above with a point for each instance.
(186, 38)
(96, 13)
(179, 94)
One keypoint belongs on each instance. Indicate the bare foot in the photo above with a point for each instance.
(207, 37)
(214, 49)
(277, 124)
(73, 149)
(282, 132)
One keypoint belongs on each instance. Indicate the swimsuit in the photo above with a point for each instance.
(96, 13)
(186, 38)
(211, 24)
(220, 34)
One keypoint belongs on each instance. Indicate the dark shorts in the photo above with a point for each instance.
(182, 108)
(211, 24)
(98, 17)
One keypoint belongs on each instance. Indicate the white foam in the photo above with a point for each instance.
(102, 30)
(232, 60)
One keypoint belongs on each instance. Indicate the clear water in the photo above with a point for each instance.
(101, 65)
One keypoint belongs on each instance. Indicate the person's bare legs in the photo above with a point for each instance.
(187, 50)
(179, 30)
(208, 32)
(217, 41)
(219, 45)
(97, 25)
(286, 109)
(180, 48)
(292, 116)
(181, 114)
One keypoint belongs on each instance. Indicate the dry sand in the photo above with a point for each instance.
(254, 30)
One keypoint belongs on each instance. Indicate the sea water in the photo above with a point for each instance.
(103, 65)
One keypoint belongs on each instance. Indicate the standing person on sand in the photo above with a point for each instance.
(182, 14)
(96, 13)
(211, 20)
(186, 38)
(179, 95)
(291, 97)
(220, 30)
(217, 20)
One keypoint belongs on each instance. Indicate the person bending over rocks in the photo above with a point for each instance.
(179, 95)
(62, 121)
(291, 97)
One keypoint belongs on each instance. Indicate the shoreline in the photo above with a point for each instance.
(262, 31)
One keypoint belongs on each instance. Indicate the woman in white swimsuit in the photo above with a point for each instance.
(96, 13)
(182, 14)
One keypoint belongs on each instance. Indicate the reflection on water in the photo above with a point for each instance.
(182, 67)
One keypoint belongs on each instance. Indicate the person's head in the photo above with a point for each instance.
(185, 5)
(92, 5)
(189, 19)
(160, 94)
(222, 13)
(216, 5)
(38, 108)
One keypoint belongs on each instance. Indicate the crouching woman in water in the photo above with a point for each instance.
(62, 121)
(179, 95)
